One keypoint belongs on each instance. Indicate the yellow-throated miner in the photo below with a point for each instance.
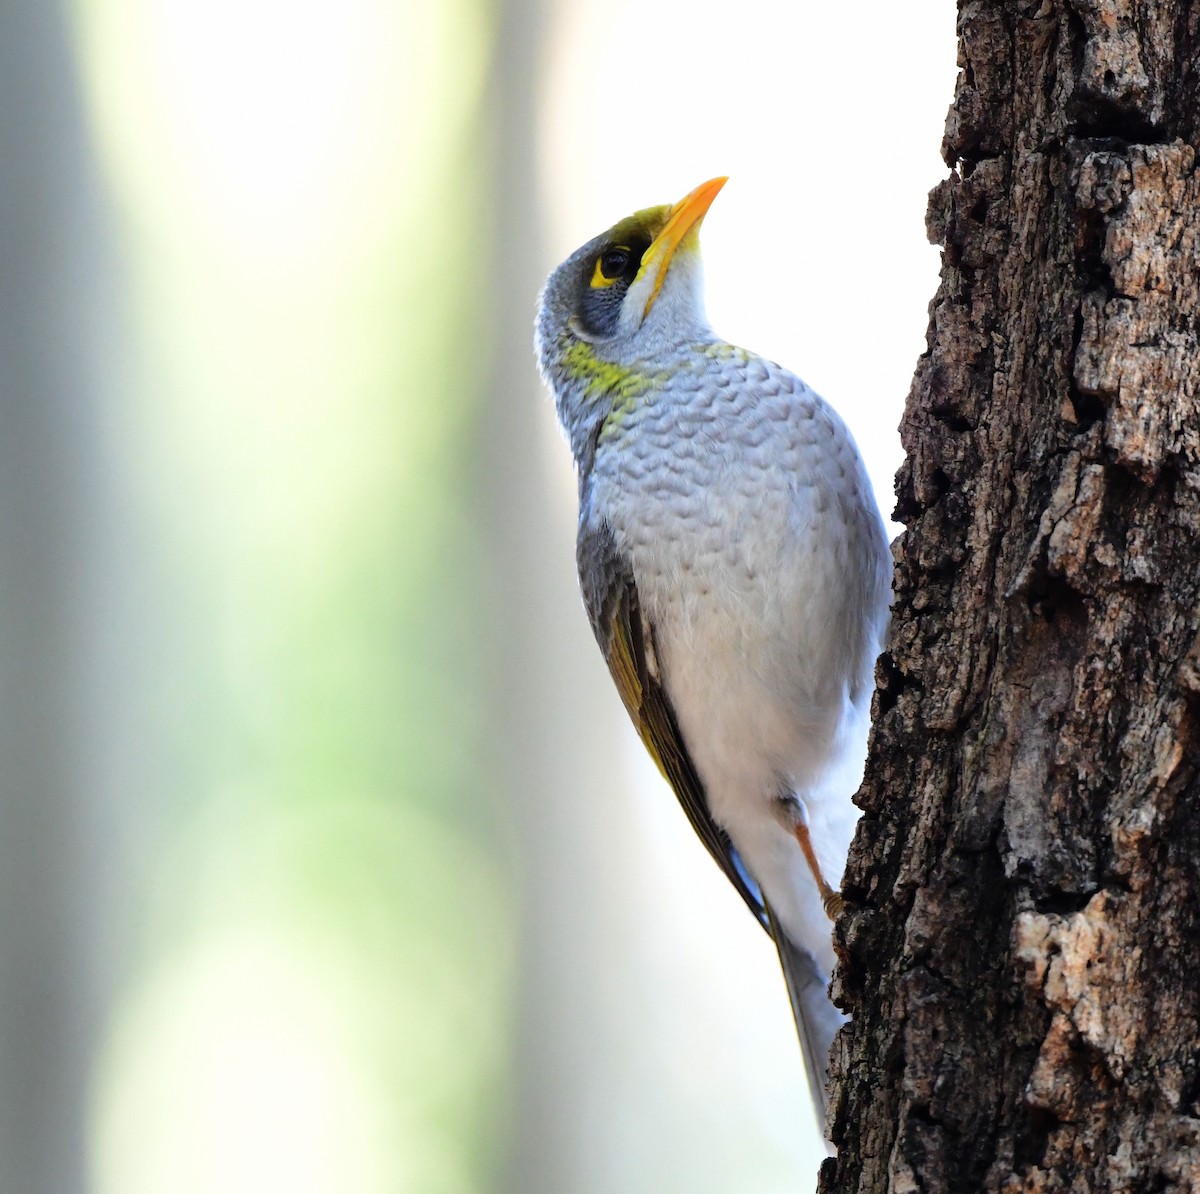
(736, 573)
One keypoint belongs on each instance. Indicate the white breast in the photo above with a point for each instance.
(740, 500)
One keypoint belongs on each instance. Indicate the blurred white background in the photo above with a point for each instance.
(327, 859)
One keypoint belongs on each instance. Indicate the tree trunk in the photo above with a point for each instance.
(1021, 952)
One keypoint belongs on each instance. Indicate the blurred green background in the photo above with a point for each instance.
(327, 862)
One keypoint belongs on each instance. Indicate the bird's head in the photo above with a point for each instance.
(626, 294)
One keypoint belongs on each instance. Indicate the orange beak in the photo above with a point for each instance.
(684, 218)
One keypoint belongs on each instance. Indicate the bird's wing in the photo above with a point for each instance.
(627, 640)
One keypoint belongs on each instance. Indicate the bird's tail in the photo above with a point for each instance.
(817, 1020)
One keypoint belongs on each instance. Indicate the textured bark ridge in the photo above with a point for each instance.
(1022, 951)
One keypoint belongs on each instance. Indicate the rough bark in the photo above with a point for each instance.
(1021, 952)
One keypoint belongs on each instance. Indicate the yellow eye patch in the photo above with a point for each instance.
(610, 265)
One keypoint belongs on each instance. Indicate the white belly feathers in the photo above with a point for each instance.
(719, 495)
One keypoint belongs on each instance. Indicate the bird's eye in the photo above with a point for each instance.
(614, 261)
(611, 265)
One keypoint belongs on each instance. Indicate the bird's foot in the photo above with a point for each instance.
(834, 904)
(831, 900)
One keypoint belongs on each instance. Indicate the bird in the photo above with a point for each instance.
(736, 573)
